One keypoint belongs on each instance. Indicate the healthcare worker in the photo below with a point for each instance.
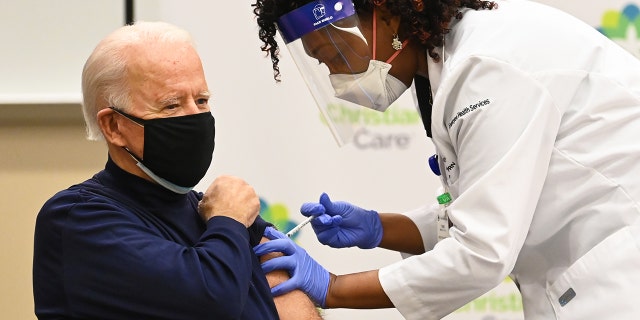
(535, 118)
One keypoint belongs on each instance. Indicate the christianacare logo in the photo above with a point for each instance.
(380, 130)
(623, 27)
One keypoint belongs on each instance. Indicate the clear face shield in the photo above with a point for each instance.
(338, 63)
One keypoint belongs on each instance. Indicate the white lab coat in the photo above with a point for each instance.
(536, 120)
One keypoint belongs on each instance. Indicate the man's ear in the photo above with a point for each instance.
(109, 125)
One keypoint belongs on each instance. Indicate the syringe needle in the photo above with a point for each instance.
(299, 226)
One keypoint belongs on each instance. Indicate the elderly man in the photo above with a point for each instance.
(135, 241)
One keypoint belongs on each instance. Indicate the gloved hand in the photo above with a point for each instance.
(340, 224)
(306, 274)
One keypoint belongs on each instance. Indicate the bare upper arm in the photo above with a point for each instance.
(294, 305)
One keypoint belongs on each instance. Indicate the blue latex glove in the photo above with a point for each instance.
(340, 224)
(306, 274)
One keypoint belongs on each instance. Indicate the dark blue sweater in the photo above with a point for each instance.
(120, 247)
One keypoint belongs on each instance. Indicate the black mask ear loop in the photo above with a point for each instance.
(135, 120)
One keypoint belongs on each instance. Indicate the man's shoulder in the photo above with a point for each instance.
(90, 190)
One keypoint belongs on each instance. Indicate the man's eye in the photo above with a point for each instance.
(202, 101)
(171, 106)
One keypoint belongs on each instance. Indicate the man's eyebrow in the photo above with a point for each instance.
(169, 101)
(176, 100)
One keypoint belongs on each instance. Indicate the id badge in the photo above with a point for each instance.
(443, 222)
(444, 200)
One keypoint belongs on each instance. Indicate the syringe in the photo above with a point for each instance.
(299, 226)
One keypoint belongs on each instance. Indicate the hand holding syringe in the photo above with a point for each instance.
(341, 224)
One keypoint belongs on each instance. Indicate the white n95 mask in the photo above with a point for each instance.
(375, 88)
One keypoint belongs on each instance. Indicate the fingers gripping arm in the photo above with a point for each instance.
(292, 305)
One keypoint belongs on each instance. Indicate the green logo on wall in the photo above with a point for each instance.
(278, 214)
(394, 116)
(623, 27)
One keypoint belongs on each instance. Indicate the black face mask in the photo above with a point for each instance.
(177, 149)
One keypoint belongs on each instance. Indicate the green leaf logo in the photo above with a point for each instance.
(623, 27)
(278, 214)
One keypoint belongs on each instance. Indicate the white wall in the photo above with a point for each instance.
(45, 44)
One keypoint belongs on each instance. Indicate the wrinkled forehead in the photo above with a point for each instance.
(160, 70)
(167, 58)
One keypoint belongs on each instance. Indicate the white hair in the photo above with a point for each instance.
(104, 77)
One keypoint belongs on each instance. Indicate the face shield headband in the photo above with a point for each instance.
(313, 16)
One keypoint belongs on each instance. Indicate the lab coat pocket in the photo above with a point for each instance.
(604, 283)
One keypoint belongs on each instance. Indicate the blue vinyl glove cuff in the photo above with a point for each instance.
(340, 224)
(306, 274)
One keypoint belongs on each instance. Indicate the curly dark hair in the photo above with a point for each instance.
(428, 26)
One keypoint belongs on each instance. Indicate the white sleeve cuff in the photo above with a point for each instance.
(425, 219)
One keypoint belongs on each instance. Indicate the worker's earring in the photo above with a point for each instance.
(419, 5)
